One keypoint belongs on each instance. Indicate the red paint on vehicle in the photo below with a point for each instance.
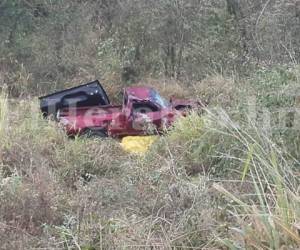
(142, 107)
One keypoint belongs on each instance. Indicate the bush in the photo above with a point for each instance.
(3, 112)
(198, 145)
(213, 180)
(267, 200)
(276, 87)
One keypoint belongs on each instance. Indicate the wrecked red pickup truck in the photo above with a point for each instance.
(86, 109)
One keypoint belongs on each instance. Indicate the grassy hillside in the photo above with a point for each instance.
(228, 179)
(220, 180)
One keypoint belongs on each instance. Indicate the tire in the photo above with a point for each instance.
(94, 133)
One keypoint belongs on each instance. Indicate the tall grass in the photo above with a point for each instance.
(210, 181)
(270, 218)
(3, 112)
(258, 179)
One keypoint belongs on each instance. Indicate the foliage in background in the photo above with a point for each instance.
(228, 178)
(54, 44)
(3, 112)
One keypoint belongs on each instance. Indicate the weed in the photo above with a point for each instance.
(3, 113)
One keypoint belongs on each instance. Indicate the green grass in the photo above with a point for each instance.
(3, 112)
(212, 181)
(267, 220)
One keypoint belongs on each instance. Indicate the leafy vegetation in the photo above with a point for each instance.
(211, 181)
(225, 179)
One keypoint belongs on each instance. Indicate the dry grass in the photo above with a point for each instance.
(266, 220)
(168, 87)
(60, 192)
(217, 90)
(3, 112)
(207, 184)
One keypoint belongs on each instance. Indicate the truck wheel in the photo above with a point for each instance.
(93, 133)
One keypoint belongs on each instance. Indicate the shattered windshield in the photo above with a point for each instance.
(157, 98)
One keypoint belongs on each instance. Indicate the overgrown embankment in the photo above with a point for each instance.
(225, 178)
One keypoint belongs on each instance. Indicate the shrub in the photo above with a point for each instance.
(3, 113)
(217, 90)
(199, 143)
(276, 87)
(213, 180)
(266, 199)
(269, 217)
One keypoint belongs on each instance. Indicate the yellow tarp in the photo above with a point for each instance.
(137, 144)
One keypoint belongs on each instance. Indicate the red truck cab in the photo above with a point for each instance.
(143, 111)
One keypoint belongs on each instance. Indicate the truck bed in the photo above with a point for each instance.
(91, 111)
